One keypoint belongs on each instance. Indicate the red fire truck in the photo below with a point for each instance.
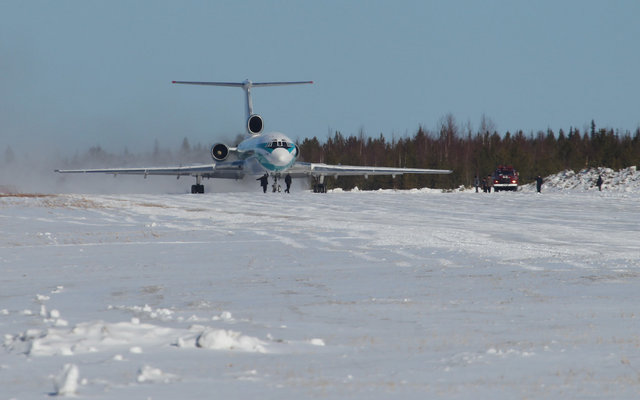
(505, 178)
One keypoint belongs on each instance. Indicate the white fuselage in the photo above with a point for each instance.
(273, 151)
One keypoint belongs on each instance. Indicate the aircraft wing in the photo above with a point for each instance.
(301, 169)
(228, 170)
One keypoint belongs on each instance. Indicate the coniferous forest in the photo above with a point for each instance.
(470, 153)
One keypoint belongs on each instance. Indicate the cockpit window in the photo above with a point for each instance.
(279, 144)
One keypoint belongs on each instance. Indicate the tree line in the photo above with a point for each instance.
(470, 153)
(465, 151)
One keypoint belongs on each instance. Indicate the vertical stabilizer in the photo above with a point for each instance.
(254, 121)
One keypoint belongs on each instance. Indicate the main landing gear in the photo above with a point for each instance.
(198, 188)
(276, 186)
(319, 185)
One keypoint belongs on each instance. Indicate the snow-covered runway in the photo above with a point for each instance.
(362, 295)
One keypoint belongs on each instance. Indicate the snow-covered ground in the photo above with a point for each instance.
(361, 295)
(623, 181)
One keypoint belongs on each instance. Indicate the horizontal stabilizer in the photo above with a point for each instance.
(246, 83)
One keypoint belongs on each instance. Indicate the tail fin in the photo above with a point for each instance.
(246, 86)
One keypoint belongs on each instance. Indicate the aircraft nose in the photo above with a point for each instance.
(281, 157)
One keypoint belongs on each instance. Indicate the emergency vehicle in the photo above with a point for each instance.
(505, 178)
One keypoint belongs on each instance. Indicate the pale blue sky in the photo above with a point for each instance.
(79, 73)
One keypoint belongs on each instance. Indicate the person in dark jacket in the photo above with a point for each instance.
(599, 183)
(287, 181)
(264, 182)
(539, 184)
(476, 182)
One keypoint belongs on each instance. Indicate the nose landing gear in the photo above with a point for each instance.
(276, 186)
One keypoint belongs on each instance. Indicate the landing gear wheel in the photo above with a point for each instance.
(319, 188)
(197, 189)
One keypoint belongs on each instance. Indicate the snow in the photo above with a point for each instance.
(623, 181)
(388, 294)
(220, 339)
(66, 383)
(149, 374)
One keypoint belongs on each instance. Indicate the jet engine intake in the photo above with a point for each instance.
(255, 124)
(219, 151)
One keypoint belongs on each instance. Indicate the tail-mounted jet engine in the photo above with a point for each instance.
(219, 151)
(255, 124)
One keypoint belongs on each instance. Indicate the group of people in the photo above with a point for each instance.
(486, 183)
(264, 182)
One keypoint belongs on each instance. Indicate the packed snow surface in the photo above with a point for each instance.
(359, 295)
(626, 180)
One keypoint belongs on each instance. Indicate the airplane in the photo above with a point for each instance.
(259, 154)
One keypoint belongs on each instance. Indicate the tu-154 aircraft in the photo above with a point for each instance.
(259, 154)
